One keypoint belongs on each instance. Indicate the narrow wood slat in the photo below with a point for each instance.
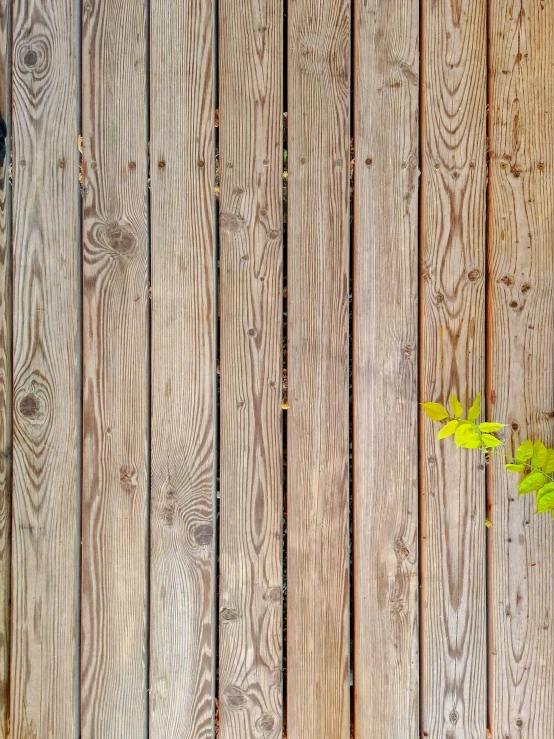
(317, 431)
(182, 633)
(114, 537)
(46, 386)
(250, 642)
(384, 372)
(6, 317)
(452, 346)
(520, 350)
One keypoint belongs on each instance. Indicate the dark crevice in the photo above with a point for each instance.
(419, 430)
(217, 379)
(148, 371)
(285, 365)
(352, 161)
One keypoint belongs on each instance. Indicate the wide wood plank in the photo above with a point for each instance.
(46, 384)
(454, 701)
(384, 372)
(520, 350)
(250, 641)
(115, 377)
(182, 667)
(5, 359)
(317, 431)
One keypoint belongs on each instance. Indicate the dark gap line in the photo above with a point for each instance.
(488, 486)
(217, 376)
(9, 302)
(419, 429)
(284, 379)
(351, 186)
(80, 368)
(148, 605)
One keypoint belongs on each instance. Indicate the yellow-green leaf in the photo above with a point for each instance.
(463, 433)
(490, 441)
(475, 409)
(549, 464)
(525, 451)
(540, 454)
(448, 429)
(435, 411)
(546, 502)
(533, 481)
(456, 406)
(490, 428)
(515, 467)
(548, 488)
(472, 442)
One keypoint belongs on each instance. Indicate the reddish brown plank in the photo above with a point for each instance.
(384, 370)
(453, 140)
(46, 375)
(182, 626)
(520, 351)
(250, 100)
(115, 376)
(317, 430)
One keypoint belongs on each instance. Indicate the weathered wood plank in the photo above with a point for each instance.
(520, 350)
(317, 431)
(250, 641)
(6, 317)
(182, 680)
(46, 385)
(384, 372)
(115, 390)
(452, 346)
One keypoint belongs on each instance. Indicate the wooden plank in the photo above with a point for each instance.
(317, 352)
(46, 384)
(454, 701)
(6, 318)
(384, 374)
(250, 640)
(115, 377)
(182, 680)
(520, 346)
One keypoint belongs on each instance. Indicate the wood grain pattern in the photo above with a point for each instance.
(46, 379)
(384, 373)
(520, 350)
(250, 638)
(317, 431)
(182, 679)
(115, 399)
(452, 233)
(6, 318)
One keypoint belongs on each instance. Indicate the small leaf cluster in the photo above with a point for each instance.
(465, 431)
(532, 459)
(536, 462)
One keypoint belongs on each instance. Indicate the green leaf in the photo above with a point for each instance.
(549, 464)
(515, 467)
(525, 451)
(546, 502)
(532, 482)
(435, 411)
(475, 409)
(490, 441)
(548, 488)
(472, 442)
(540, 454)
(448, 429)
(491, 427)
(456, 406)
(464, 433)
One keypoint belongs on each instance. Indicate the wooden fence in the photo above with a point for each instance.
(239, 241)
